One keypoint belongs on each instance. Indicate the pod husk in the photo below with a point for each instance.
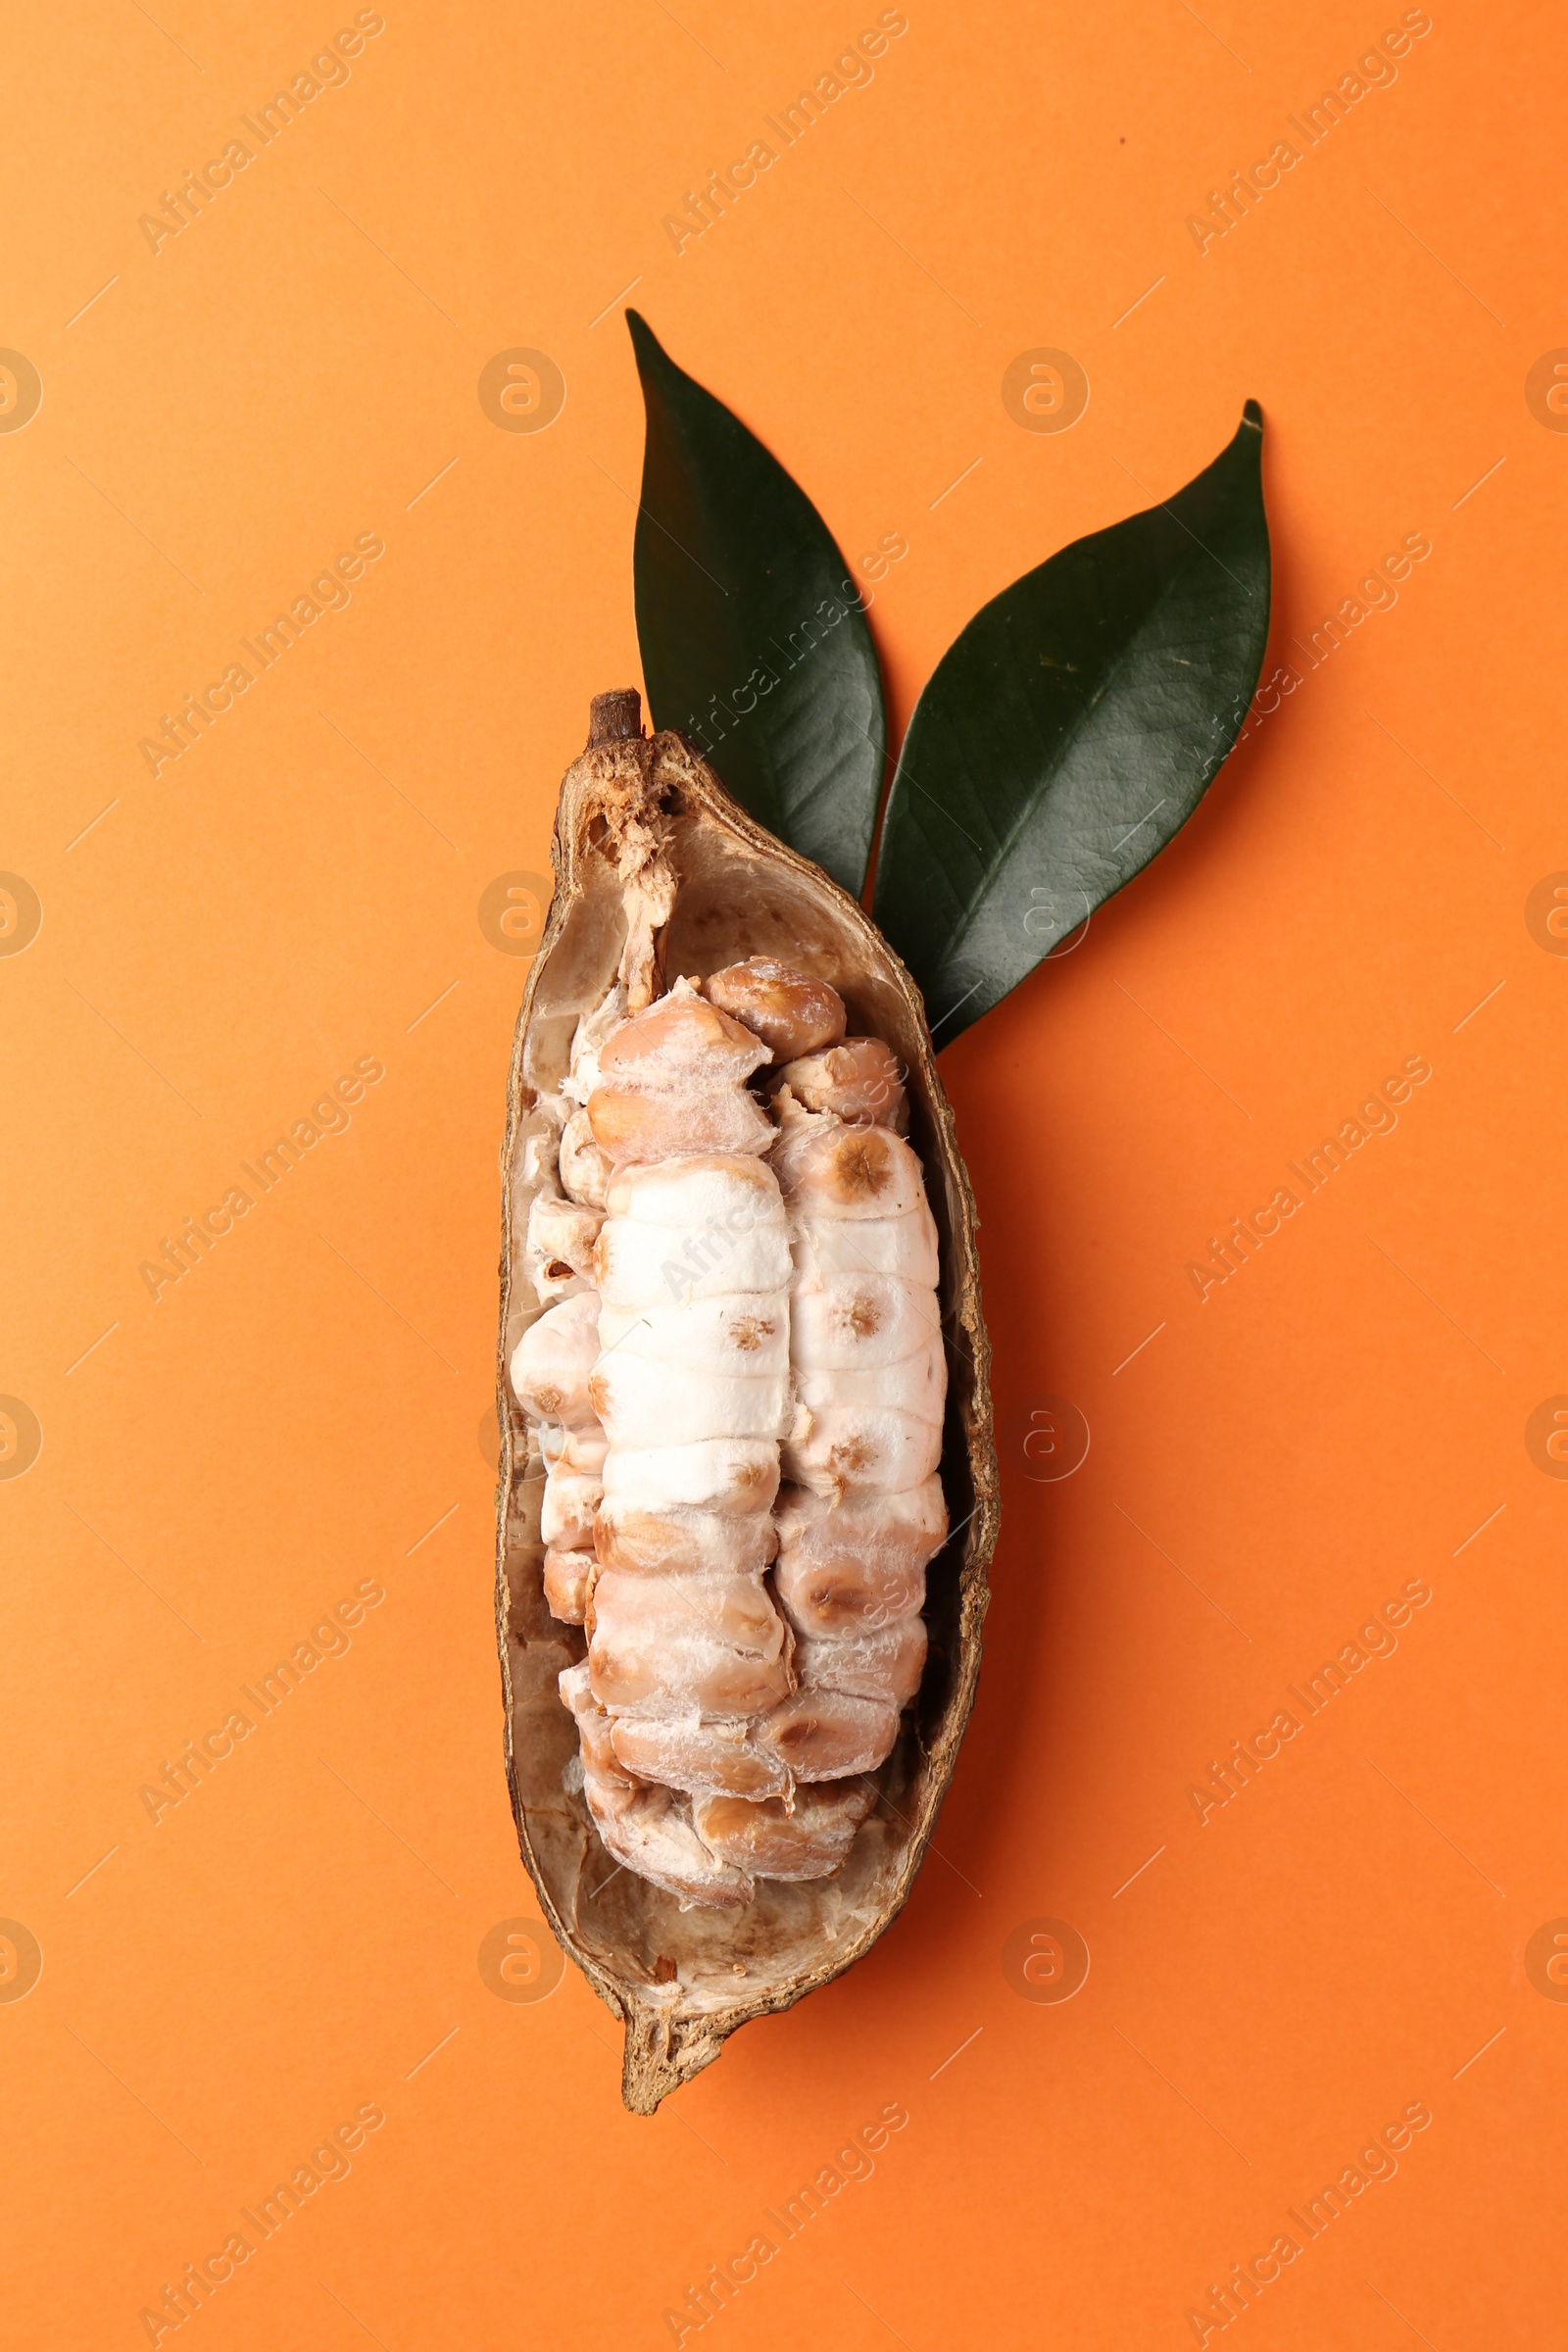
(682, 1981)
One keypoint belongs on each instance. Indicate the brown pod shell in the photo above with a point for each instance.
(682, 1981)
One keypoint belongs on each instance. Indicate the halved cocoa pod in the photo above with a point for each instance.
(659, 872)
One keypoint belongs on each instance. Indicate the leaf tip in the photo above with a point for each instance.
(1253, 415)
(645, 343)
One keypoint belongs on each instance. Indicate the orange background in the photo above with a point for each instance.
(220, 1989)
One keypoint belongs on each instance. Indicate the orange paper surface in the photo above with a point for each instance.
(1141, 2026)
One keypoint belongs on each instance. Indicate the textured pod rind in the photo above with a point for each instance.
(682, 1981)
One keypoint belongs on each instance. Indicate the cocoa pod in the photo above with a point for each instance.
(660, 875)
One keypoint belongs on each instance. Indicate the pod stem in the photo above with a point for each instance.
(616, 717)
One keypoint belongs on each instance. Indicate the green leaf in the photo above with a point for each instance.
(754, 639)
(1069, 730)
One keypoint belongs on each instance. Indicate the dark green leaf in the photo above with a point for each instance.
(1069, 730)
(754, 640)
